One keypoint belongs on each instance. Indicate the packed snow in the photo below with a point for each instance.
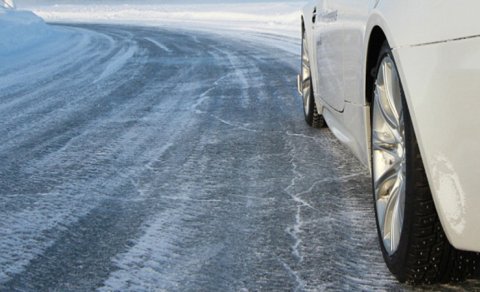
(282, 18)
(26, 38)
(29, 44)
(275, 23)
(20, 29)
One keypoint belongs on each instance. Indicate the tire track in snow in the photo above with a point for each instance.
(37, 228)
(158, 44)
(117, 62)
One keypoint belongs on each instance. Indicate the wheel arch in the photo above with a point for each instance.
(375, 41)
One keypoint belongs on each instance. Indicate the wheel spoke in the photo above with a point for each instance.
(387, 161)
(306, 82)
(382, 143)
(383, 123)
(305, 70)
(306, 96)
(386, 204)
(385, 181)
(392, 88)
(391, 226)
(305, 57)
(388, 96)
(385, 108)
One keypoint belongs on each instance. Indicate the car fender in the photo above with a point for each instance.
(414, 22)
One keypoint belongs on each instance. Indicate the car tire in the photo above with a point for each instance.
(312, 117)
(416, 251)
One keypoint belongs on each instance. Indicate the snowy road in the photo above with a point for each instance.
(148, 159)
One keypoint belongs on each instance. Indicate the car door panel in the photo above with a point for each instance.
(340, 50)
(354, 18)
(328, 54)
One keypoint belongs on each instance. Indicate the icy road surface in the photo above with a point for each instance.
(146, 159)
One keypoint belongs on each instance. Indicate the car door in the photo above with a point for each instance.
(329, 53)
(354, 18)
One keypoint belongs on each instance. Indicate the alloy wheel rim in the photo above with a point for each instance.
(306, 78)
(388, 143)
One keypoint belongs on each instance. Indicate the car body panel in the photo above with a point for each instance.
(354, 15)
(443, 83)
(328, 41)
(439, 64)
(351, 127)
(413, 22)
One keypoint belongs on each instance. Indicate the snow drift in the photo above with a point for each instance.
(281, 18)
(20, 29)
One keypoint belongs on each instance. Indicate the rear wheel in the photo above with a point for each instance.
(412, 240)
(312, 117)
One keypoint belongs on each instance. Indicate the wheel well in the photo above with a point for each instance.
(377, 38)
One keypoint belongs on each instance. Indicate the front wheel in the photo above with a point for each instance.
(413, 243)
(312, 117)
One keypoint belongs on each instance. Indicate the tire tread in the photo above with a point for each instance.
(317, 119)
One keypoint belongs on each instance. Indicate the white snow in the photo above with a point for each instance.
(19, 29)
(26, 38)
(280, 17)
(117, 62)
(161, 46)
(24, 34)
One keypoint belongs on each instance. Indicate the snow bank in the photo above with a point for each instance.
(26, 39)
(20, 29)
(281, 18)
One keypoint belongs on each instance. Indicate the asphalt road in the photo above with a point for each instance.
(148, 159)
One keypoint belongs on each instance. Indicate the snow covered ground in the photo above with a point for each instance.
(276, 23)
(271, 23)
(27, 38)
(282, 17)
(21, 29)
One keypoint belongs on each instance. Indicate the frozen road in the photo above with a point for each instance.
(148, 159)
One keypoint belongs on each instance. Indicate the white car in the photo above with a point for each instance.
(399, 83)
